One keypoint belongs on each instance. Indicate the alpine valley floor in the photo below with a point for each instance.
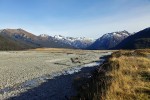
(44, 73)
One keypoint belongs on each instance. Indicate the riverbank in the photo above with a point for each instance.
(125, 75)
(47, 72)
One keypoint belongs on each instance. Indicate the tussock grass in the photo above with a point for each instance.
(124, 76)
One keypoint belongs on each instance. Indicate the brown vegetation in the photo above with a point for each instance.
(124, 76)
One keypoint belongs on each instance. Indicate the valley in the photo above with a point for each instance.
(23, 70)
(75, 50)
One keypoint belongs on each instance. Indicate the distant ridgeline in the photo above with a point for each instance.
(19, 39)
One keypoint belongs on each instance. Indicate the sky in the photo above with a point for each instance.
(76, 18)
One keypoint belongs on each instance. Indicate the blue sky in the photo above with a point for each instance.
(77, 18)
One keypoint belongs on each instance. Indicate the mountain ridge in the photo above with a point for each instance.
(109, 40)
(22, 39)
(139, 40)
(77, 42)
(29, 40)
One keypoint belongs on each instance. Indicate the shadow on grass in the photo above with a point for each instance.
(59, 88)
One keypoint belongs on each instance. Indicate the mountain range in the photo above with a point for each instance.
(79, 42)
(109, 40)
(26, 40)
(19, 39)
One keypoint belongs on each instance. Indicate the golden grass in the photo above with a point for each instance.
(128, 82)
(68, 51)
(50, 49)
(124, 76)
(56, 50)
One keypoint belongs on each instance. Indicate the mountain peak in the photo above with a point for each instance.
(116, 34)
(139, 40)
(78, 42)
(109, 40)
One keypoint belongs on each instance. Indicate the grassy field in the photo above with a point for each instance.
(124, 76)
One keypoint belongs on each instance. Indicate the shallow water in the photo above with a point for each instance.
(36, 81)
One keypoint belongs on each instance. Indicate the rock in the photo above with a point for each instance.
(75, 60)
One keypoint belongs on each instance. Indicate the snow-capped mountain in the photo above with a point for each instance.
(139, 40)
(109, 40)
(79, 42)
(26, 40)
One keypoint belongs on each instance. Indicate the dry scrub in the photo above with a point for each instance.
(124, 76)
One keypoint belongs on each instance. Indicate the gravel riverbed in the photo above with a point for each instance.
(49, 72)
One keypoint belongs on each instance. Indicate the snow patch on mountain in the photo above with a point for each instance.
(120, 34)
(109, 40)
(78, 42)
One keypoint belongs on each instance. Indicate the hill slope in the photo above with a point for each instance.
(6, 44)
(27, 40)
(22, 37)
(139, 40)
